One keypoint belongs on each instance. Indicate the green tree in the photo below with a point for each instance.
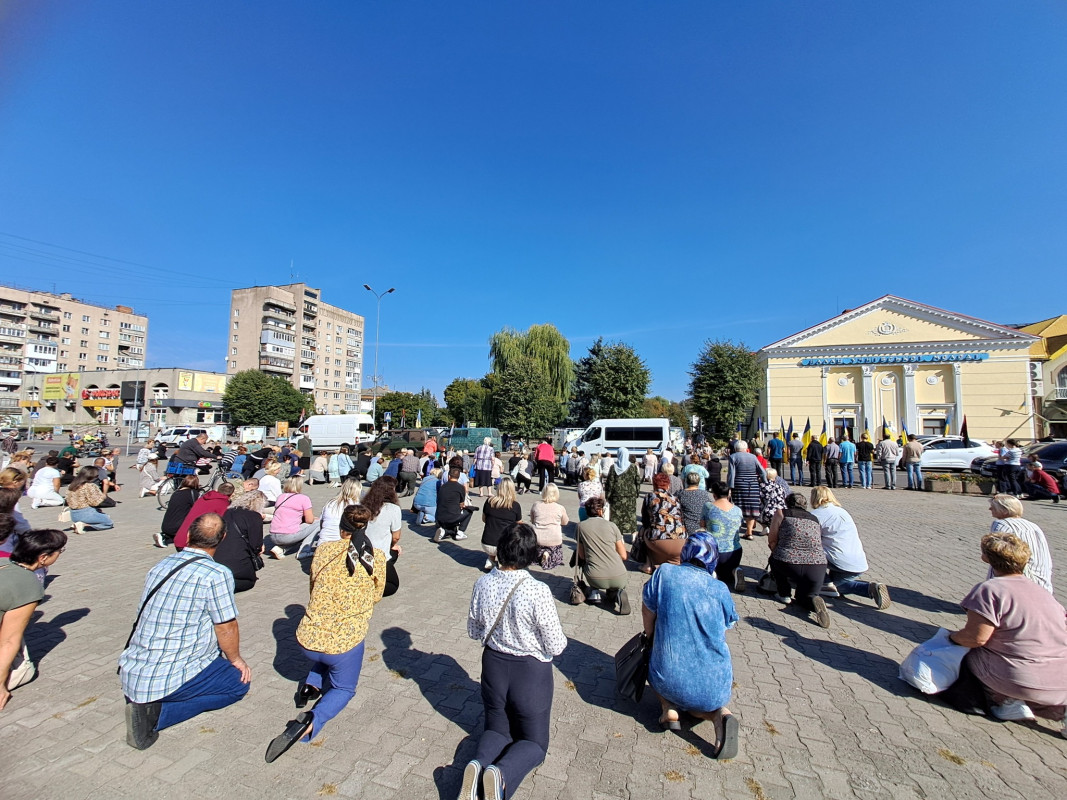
(680, 417)
(255, 398)
(405, 406)
(610, 383)
(544, 346)
(724, 381)
(656, 407)
(523, 402)
(466, 401)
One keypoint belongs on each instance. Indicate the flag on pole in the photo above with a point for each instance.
(418, 419)
(789, 433)
(948, 421)
(904, 431)
(963, 432)
(806, 438)
(781, 427)
(885, 428)
(822, 436)
(759, 426)
(866, 428)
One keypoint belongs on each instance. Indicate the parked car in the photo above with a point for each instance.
(948, 452)
(1053, 457)
(391, 441)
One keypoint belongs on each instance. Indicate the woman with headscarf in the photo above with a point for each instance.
(744, 478)
(621, 489)
(686, 612)
(347, 580)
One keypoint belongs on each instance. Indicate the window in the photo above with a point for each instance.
(337, 339)
(844, 425)
(63, 353)
(66, 329)
(82, 356)
(105, 334)
(235, 325)
(85, 318)
(626, 434)
(237, 312)
(67, 315)
(105, 323)
(64, 340)
(102, 359)
(83, 343)
(235, 337)
(328, 326)
(233, 365)
(85, 331)
(233, 351)
(61, 367)
(933, 426)
(103, 346)
(336, 395)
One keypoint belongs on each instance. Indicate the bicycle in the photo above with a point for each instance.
(176, 472)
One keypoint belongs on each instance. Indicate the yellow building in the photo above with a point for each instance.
(906, 362)
(1048, 375)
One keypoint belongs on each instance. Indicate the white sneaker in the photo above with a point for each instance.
(438, 535)
(1013, 711)
(157, 539)
(460, 536)
(595, 596)
(143, 490)
(79, 527)
(277, 552)
(783, 600)
(488, 565)
(35, 504)
(829, 590)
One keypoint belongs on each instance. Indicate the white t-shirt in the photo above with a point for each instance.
(840, 539)
(380, 529)
(42, 479)
(271, 487)
(331, 522)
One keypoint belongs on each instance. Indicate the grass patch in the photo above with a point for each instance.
(327, 788)
(374, 657)
(318, 742)
(569, 685)
(773, 731)
(692, 750)
(673, 775)
(948, 755)
(756, 788)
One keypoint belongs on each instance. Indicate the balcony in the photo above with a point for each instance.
(275, 364)
(47, 330)
(9, 402)
(13, 334)
(47, 316)
(1061, 392)
(10, 379)
(311, 310)
(284, 317)
(307, 381)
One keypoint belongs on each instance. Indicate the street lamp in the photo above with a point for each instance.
(377, 329)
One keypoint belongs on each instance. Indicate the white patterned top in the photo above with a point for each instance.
(530, 625)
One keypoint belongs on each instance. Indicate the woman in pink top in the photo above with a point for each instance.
(293, 523)
(548, 518)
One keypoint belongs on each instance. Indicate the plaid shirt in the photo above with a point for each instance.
(175, 639)
(483, 457)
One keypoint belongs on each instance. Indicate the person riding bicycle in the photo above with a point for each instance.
(192, 451)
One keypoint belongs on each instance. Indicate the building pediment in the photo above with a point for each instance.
(893, 324)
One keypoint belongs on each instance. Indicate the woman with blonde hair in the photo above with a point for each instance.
(22, 461)
(589, 488)
(351, 489)
(1007, 514)
(293, 522)
(269, 483)
(500, 511)
(845, 559)
(548, 518)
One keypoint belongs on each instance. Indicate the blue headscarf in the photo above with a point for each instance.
(701, 548)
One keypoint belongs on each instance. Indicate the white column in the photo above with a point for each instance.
(910, 418)
(957, 394)
(868, 397)
(825, 395)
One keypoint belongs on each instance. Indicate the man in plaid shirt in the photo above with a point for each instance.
(173, 669)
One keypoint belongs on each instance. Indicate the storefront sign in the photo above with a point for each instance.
(925, 358)
(60, 386)
(133, 394)
(205, 382)
(101, 398)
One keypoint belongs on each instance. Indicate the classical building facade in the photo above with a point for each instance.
(288, 331)
(910, 364)
(1048, 375)
(43, 333)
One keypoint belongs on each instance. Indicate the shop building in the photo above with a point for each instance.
(1048, 375)
(910, 364)
(161, 397)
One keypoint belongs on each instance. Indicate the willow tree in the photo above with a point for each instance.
(546, 347)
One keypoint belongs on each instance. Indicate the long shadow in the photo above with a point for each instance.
(879, 670)
(289, 661)
(462, 555)
(923, 602)
(861, 611)
(591, 671)
(42, 637)
(449, 690)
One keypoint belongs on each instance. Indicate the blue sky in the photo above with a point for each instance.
(654, 173)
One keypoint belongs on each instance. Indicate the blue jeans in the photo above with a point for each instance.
(94, 518)
(915, 475)
(343, 670)
(796, 470)
(846, 474)
(427, 514)
(866, 474)
(218, 686)
(846, 582)
(889, 474)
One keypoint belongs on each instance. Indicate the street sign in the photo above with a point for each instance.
(35, 415)
(387, 416)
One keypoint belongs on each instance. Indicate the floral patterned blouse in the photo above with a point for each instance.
(88, 495)
(340, 607)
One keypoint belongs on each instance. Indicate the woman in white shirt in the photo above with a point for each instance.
(384, 528)
(269, 483)
(351, 489)
(845, 559)
(44, 491)
(514, 618)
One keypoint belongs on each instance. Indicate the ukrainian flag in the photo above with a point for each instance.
(822, 436)
(806, 438)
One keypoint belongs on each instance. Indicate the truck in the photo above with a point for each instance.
(330, 431)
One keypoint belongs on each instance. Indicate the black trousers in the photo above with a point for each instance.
(724, 570)
(815, 470)
(776, 464)
(517, 696)
(547, 472)
(451, 523)
(831, 472)
(523, 481)
(406, 482)
(807, 577)
(1038, 492)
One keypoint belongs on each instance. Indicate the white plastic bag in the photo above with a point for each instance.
(934, 665)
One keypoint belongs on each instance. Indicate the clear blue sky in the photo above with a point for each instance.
(657, 173)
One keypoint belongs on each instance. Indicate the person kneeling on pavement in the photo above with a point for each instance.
(293, 524)
(602, 555)
(453, 513)
(795, 541)
(183, 656)
(845, 559)
(1040, 485)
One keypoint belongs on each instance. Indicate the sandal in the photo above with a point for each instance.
(730, 731)
(293, 732)
(670, 724)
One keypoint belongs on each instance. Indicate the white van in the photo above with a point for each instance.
(328, 431)
(636, 435)
(179, 434)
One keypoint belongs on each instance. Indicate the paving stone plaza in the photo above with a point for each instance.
(823, 714)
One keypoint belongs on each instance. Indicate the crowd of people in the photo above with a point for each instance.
(675, 517)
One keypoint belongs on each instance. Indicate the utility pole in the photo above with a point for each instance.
(377, 330)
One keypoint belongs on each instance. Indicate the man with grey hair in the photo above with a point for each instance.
(183, 656)
(408, 475)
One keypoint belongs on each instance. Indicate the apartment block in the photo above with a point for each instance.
(41, 332)
(288, 331)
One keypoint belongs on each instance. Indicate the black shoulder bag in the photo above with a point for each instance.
(256, 558)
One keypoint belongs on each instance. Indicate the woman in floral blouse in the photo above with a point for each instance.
(83, 495)
(347, 580)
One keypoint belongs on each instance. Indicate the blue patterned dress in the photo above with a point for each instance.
(690, 665)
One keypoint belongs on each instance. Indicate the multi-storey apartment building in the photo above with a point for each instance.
(289, 331)
(41, 332)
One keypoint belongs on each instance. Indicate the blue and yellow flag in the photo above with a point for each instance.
(904, 431)
(822, 436)
(781, 427)
(866, 428)
(806, 438)
(789, 433)
(885, 429)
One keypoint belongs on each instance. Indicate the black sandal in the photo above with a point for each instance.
(730, 730)
(305, 694)
(293, 732)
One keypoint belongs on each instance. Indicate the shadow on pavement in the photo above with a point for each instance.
(591, 671)
(42, 637)
(877, 669)
(466, 556)
(861, 611)
(289, 661)
(924, 602)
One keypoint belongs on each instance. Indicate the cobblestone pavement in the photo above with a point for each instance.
(822, 711)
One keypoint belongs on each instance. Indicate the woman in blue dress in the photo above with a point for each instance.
(686, 612)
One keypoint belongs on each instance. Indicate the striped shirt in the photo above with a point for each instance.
(1039, 569)
(175, 639)
(483, 457)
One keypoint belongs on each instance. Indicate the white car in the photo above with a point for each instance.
(948, 452)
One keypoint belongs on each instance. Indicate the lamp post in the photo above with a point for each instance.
(377, 329)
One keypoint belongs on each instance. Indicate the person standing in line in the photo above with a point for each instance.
(303, 447)
(815, 454)
(848, 458)
(865, 459)
(1013, 469)
(483, 467)
(621, 489)
(888, 454)
(796, 461)
(514, 618)
(545, 457)
(172, 669)
(913, 456)
(832, 459)
(775, 452)
(650, 462)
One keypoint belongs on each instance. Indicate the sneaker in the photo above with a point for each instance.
(879, 592)
(79, 527)
(141, 719)
(488, 565)
(595, 596)
(822, 616)
(829, 590)
(783, 600)
(157, 539)
(739, 580)
(471, 773)
(277, 552)
(624, 603)
(35, 504)
(460, 536)
(438, 535)
(492, 783)
(143, 490)
(1012, 711)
